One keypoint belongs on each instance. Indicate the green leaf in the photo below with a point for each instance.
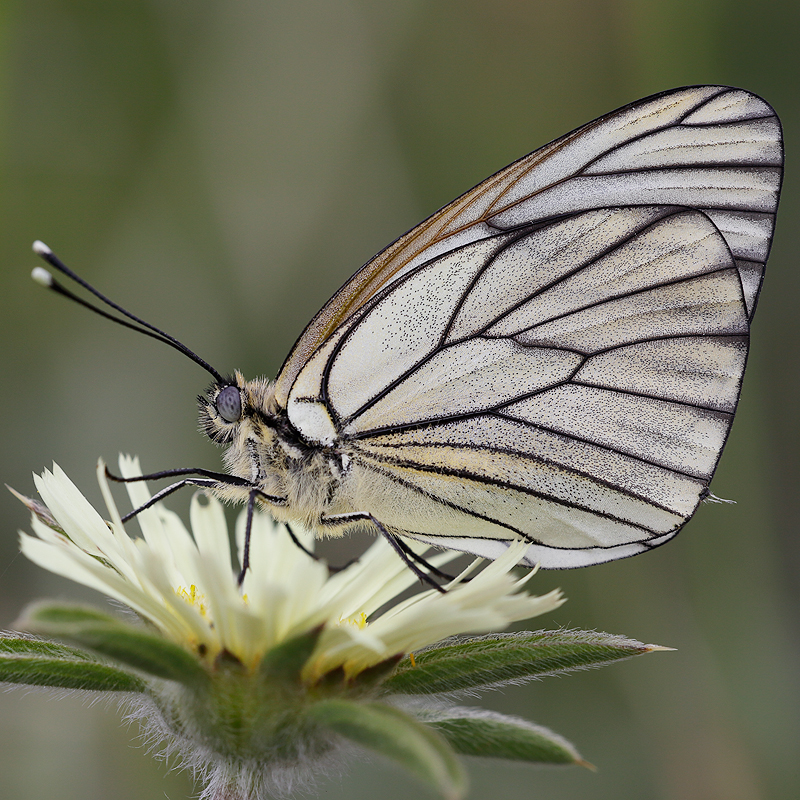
(394, 734)
(67, 674)
(129, 644)
(474, 732)
(28, 646)
(492, 660)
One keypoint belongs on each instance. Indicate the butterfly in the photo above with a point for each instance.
(554, 357)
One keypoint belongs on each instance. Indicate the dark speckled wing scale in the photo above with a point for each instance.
(557, 355)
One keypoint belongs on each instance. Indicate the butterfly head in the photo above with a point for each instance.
(243, 416)
(222, 409)
(234, 407)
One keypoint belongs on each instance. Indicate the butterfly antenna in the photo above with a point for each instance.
(44, 278)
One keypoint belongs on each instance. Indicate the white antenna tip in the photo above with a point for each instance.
(42, 276)
(41, 249)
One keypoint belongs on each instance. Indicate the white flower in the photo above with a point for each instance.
(186, 584)
(262, 687)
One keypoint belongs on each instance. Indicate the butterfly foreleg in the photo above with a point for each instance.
(221, 477)
(208, 480)
(201, 482)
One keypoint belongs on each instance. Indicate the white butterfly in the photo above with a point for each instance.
(554, 357)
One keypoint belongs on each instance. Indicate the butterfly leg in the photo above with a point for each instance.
(248, 528)
(209, 481)
(221, 477)
(401, 549)
(298, 543)
(202, 482)
(408, 551)
(425, 563)
(312, 554)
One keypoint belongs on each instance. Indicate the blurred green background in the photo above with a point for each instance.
(221, 168)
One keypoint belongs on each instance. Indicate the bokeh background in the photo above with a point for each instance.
(221, 168)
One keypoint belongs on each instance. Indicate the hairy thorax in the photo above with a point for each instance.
(264, 449)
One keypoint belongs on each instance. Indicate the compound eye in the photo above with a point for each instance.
(229, 404)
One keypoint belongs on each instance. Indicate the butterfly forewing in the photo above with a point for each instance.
(556, 356)
(727, 130)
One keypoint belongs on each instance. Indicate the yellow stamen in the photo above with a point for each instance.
(193, 598)
(360, 621)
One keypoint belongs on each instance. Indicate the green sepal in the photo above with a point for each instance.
(226, 661)
(368, 681)
(375, 675)
(68, 674)
(284, 663)
(120, 641)
(487, 661)
(395, 735)
(332, 681)
(491, 735)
